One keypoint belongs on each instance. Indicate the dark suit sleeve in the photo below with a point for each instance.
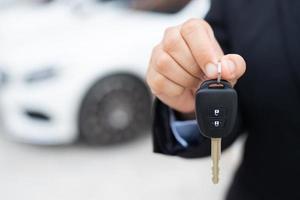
(163, 139)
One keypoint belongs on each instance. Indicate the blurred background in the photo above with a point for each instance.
(75, 112)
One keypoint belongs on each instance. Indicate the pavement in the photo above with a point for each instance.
(125, 172)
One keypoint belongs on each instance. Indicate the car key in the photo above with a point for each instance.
(216, 111)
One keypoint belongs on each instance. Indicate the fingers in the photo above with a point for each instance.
(187, 56)
(233, 67)
(200, 39)
(194, 47)
(239, 62)
(159, 84)
(164, 64)
(176, 47)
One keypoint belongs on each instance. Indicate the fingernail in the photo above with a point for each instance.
(231, 66)
(211, 70)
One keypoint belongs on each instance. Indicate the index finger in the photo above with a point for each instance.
(200, 39)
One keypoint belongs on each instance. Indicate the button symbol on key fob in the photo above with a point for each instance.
(216, 123)
(217, 112)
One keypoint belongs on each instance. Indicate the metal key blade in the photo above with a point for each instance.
(215, 156)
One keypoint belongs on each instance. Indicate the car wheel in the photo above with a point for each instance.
(117, 108)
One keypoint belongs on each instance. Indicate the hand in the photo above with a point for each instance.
(187, 56)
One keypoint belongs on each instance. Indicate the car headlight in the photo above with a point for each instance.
(42, 75)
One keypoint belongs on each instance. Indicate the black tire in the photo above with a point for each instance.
(117, 108)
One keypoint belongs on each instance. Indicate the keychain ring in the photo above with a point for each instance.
(219, 66)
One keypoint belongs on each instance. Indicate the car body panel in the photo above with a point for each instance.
(81, 48)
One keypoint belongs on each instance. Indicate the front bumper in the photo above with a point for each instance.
(39, 114)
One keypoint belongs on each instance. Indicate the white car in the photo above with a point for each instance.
(68, 72)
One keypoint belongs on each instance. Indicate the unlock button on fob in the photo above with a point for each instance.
(216, 112)
(216, 123)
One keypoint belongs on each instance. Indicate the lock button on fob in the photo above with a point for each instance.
(216, 123)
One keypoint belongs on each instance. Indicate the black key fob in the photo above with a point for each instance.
(216, 108)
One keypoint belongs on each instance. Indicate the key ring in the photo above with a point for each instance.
(219, 66)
